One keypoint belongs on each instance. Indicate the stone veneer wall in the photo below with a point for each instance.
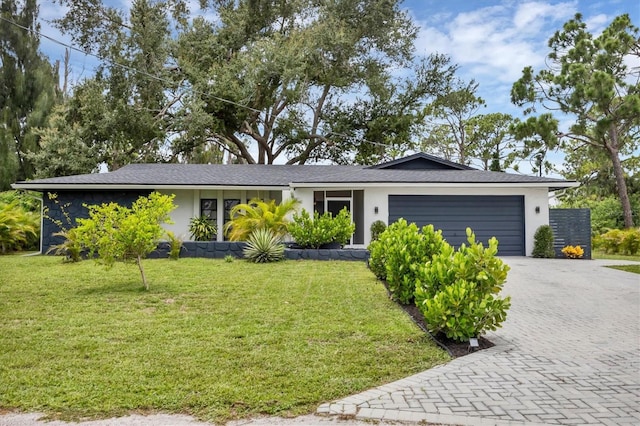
(72, 204)
(327, 254)
(219, 249)
(207, 249)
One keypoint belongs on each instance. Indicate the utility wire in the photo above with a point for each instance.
(155, 77)
(126, 67)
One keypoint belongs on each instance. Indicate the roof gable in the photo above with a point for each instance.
(421, 161)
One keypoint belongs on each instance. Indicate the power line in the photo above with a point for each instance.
(126, 67)
(156, 77)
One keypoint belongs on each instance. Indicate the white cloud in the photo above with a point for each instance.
(530, 17)
(498, 41)
(596, 24)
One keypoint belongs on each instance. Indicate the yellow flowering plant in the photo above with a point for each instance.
(573, 252)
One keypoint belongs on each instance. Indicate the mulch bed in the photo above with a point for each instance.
(455, 349)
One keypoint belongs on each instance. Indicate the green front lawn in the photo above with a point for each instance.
(600, 254)
(213, 339)
(628, 268)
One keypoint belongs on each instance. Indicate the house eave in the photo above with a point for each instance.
(87, 186)
(552, 186)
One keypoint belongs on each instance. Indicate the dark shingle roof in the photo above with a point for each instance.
(277, 175)
(438, 163)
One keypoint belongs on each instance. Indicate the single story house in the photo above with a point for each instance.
(420, 188)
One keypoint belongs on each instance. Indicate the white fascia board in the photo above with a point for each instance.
(566, 184)
(97, 187)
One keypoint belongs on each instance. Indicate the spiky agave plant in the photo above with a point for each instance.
(264, 246)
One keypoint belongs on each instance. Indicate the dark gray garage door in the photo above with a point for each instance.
(488, 216)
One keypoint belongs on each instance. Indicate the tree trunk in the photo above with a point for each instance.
(618, 172)
(144, 279)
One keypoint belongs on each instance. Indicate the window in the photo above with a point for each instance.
(334, 205)
(228, 205)
(318, 202)
(209, 208)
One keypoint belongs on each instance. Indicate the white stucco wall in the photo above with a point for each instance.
(181, 215)
(378, 197)
(188, 201)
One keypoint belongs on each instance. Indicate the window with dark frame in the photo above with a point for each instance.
(209, 209)
(318, 202)
(229, 204)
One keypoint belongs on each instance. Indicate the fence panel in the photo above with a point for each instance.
(571, 227)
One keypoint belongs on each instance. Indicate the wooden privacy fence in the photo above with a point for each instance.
(571, 227)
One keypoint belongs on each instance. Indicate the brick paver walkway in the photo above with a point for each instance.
(569, 353)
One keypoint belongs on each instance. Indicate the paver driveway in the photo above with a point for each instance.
(569, 353)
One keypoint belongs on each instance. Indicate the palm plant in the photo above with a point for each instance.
(70, 248)
(175, 245)
(258, 214)
(17, 227)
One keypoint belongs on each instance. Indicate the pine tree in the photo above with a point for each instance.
(28, 89)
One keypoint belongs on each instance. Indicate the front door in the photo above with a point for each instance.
(334, 205)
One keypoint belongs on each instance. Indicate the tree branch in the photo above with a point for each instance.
(244, 152)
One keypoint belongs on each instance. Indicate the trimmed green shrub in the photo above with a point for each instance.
(403, 256)
(456, 290)
(461, 311)
(403, 249)
(315, 232)
(471, 262)
(202, 228)
(378, 254)
(264, 246)
(377, 228)
(543, 242)
(343, 227)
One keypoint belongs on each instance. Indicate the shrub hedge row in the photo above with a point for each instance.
(457, 291)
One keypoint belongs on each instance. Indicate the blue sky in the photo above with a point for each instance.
(491, 40)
